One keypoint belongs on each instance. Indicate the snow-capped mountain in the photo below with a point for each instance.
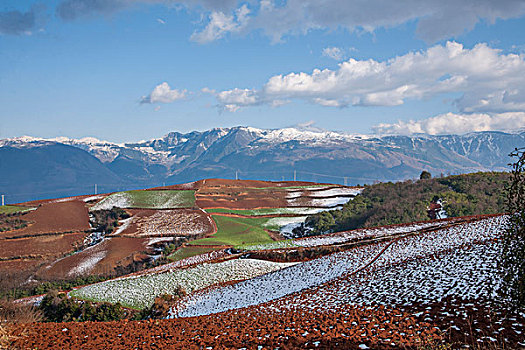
(316, 155)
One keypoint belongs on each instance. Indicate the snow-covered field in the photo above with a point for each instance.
(323, 192)
(404, 269)
(147, 199)
(140, 292)
(317, 202)
(285, 224)
(119, 200)
(340, 191)
(366, 233)
(173, 222)
(278, 284)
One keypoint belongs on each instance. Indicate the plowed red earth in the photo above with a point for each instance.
(377, 328)
(246, 194)
(55, 200)
(54, 218)
(116, 251)
(26, 265)
(176, 222)
(239, 197)
(41, 247)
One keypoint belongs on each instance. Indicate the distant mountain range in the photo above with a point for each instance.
(34, 168)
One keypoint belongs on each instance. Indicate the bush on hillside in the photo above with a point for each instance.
(58, 307)
(395, 203)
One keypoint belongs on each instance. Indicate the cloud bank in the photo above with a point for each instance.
(451, 123)
(487, 79)
(436, 19)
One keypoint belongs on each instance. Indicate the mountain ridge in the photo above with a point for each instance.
(257, 153)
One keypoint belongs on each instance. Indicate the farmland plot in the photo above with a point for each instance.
(278, 284)
(100, 259)
(267, 211)
(236, 231)
(166, 199)
(140, 292)
(366, 233)
(467, 273)
(376, 257)
(71, 216)
(176, 222)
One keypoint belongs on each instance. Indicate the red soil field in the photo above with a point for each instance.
(55, 200)
(268, 200)
(375, 327)
(173, 222)
(54, 218)
(41, 247)
(19, 265)
(240, 197)
(248, 194)
(100, 259)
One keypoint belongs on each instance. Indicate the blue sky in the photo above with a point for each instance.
(126, 70)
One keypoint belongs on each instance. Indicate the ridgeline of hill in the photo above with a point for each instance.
(401, 202)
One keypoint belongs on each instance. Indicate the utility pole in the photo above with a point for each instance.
(3, 201)
(236, 174)
(294, 175)
(95, 188)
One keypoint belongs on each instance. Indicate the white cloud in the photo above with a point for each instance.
(451, 123)
(488, 80)
(436, 19)
(221, 24)
(335, 53)
(162, 93)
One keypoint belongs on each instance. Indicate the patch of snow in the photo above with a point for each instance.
(119, 200)
(86, 265)
(93, 198)
(124, 224)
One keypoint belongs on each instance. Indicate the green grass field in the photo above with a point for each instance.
(189, 251)
(9, 209)
(237, 231)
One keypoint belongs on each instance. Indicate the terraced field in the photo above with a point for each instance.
(395, 286)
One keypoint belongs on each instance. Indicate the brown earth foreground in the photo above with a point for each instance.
(354, 328)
